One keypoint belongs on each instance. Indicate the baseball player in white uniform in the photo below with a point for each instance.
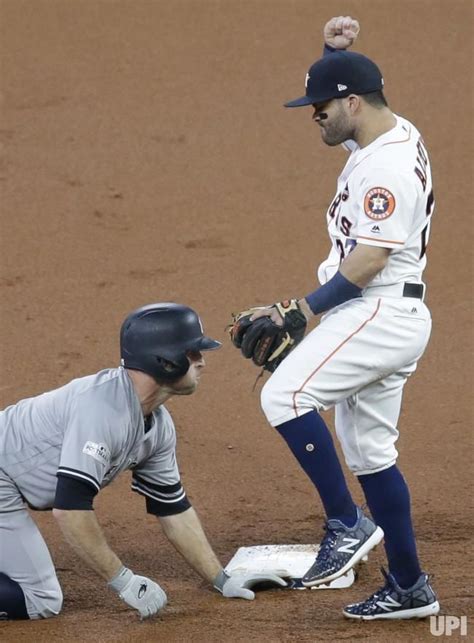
(374, 329)
(59, 449)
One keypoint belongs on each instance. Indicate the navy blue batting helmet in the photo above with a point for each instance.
(156, 338)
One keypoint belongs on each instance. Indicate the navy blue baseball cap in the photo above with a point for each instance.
(338, 75)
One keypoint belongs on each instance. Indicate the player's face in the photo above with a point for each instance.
(333, 121)
(189, 382)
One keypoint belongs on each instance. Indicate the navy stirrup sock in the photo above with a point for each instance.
(12, 599)
(388, 499)
(311, 443)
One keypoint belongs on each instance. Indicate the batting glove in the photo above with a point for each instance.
(139, 592)
(237, 585)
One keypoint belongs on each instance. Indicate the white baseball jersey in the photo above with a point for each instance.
(360, 355)
(384, 198)
(91, 429)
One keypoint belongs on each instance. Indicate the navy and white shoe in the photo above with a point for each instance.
(393, 602)
(341, 548)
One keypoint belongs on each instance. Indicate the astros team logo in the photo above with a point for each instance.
(379, 203)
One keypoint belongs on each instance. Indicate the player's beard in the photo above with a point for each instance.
(187, 389)
(337, 129)
(186, 384)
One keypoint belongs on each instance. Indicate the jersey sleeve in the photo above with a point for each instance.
(157, 478)
(89, 441)
(74, 494)
(384, 204)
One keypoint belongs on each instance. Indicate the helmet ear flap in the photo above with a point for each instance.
(166, 370)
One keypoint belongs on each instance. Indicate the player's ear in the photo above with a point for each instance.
(354, 104)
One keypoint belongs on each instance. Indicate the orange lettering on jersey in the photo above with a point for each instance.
(379, 204)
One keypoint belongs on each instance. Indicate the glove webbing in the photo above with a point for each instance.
(285, 342)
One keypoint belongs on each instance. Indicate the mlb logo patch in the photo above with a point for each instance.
(379, 204)
(99, 452)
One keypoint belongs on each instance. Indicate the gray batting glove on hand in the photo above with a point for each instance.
(237, 585)
(139, 592)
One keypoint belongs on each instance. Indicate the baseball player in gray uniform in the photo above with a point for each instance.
(59, 449)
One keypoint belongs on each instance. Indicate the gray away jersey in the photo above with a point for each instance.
(90, 429)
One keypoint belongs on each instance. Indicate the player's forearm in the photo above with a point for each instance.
(363, 264)
(354, 274)
(185, 532)
(83, 532)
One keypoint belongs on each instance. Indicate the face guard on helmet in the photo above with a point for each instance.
(156, 338)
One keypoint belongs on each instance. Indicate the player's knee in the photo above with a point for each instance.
(280, 402)
(20, 602)
(366, 461)
(281, 399)
(12, 599)
(53, 603)
(275, 400)
(45, 602)
(266, 399)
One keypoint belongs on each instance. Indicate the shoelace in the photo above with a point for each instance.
(381, 593)
(327, 543)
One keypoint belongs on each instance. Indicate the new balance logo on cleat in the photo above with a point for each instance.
(388, 604)
(350, 547)
(341, 548)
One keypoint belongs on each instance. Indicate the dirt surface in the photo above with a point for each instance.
(147, 157)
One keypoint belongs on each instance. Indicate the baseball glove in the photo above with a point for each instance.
(266, 343)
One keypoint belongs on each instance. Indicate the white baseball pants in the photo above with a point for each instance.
(357, 360)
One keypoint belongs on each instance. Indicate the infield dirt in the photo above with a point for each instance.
(147, 157)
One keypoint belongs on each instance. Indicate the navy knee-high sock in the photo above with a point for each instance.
(311, 443)
(388, 499)
(12, 599)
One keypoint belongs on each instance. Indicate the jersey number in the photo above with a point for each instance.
(344, 249)
(425, 234)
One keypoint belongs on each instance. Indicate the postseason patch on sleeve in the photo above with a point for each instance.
(379, 204)
(99, 452)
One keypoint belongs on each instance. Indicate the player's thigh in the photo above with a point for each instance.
(357, 343)
(322, 368)
(25, 558)
(367, 423)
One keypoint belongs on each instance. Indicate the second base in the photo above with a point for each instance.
(288, 561)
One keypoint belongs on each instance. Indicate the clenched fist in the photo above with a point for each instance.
(139, 592)
(341, 32)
